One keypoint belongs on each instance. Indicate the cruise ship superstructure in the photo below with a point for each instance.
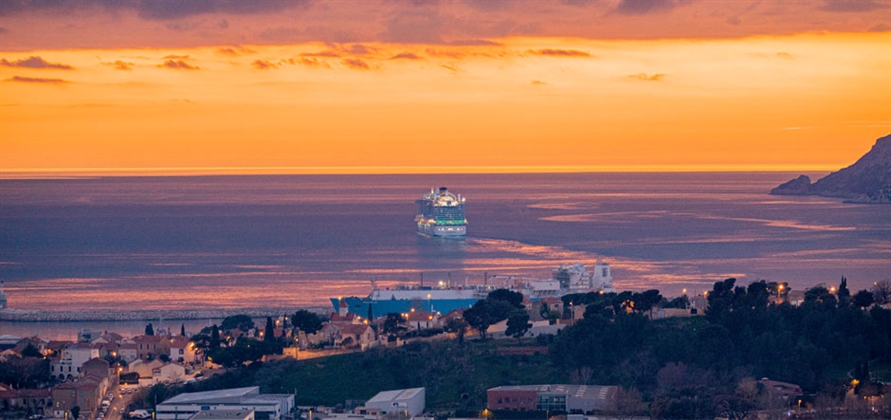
(445, 297)
(441, 213)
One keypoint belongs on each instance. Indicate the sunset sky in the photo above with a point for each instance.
(232, 86)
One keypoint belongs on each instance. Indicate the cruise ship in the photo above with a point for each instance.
(445, 297)
(441, 214)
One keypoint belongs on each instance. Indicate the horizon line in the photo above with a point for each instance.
(36, 173)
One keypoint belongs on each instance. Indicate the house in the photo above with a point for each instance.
(85, 393)
(27, 400)
(566, 398)
(343, 315)
(151, 346)
(36, 342)
(71, 360)
(170, 372)
(542, 308)
(182, 350)
(356, 335)
(783, 390)
(97, 367)
(128, 352)
(8, 354)
(420, 320)
(408, 402)
(143, 368)
(273, 406)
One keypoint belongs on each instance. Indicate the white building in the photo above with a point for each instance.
(184, 406)
(73, 358)
(409, 402)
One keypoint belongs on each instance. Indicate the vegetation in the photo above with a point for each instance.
(694, 367)
(306, 321)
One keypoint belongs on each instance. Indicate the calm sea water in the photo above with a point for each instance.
(247, 241)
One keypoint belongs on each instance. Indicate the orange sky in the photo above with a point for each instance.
(441, 86)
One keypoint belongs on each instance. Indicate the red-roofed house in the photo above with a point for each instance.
(356, 335)
(85, 393)
(421, 320)
(182, 350)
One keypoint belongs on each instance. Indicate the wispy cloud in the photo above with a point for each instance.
(35, 62)
(559, 53)
(120, 65)
(538, 82)
(327, 53)
(356, 64)
(853, 6)
(178, 65)
(642, 7)
(35, 80)
(265, 65)
(309, 62)
(406, 56)
(235, 51)
(648, 77)
(175, 57)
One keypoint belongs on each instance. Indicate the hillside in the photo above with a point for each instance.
(866, 181)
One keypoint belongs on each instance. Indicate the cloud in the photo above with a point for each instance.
(559, 53)
(648, 78)
(265, 65)
(473, 43)
(309, 62)
(36, 80)
(356, 64)
(174, 9)
(852, 6)
(35, 62)
(642, 7)
(406, 56)
(358, 49)
(538, 82)
(178, 65)
(176, 57)
(119, 65)
(234, 51)
(328, 53)
(448, 67)
(881, 27)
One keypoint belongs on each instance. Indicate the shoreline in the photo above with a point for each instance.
(19, 315)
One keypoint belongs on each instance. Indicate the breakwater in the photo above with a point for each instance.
(14, 315)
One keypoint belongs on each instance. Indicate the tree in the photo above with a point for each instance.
(370, 314)
(515, 299)
(391, 324)
(31, 351)
(75, 411)
(306, 321)
(214, 337)
(487, 312)
(240, 322)
(182, 330)
(269, 333)
(843, 294)
(881, 292)
(149, 330)
(517, 324)
(863, 299)
(164, 357)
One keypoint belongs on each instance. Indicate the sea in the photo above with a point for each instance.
(290, 241)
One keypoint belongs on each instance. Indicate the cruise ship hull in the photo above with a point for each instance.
(442, 230)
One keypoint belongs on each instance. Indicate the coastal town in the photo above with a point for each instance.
(164, 374)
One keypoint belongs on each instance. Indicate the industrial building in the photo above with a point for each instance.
(566, 398)
(184, 406)
(410, 402)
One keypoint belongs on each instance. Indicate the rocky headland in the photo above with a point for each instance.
(866, 181)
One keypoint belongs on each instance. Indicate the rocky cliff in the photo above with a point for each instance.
(866, 181)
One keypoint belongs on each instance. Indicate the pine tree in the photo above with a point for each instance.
(269, 335)
(182, 330)
(149, 330)
(215, 337)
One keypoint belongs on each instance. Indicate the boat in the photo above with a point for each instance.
(444, 297)
(441, 214)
